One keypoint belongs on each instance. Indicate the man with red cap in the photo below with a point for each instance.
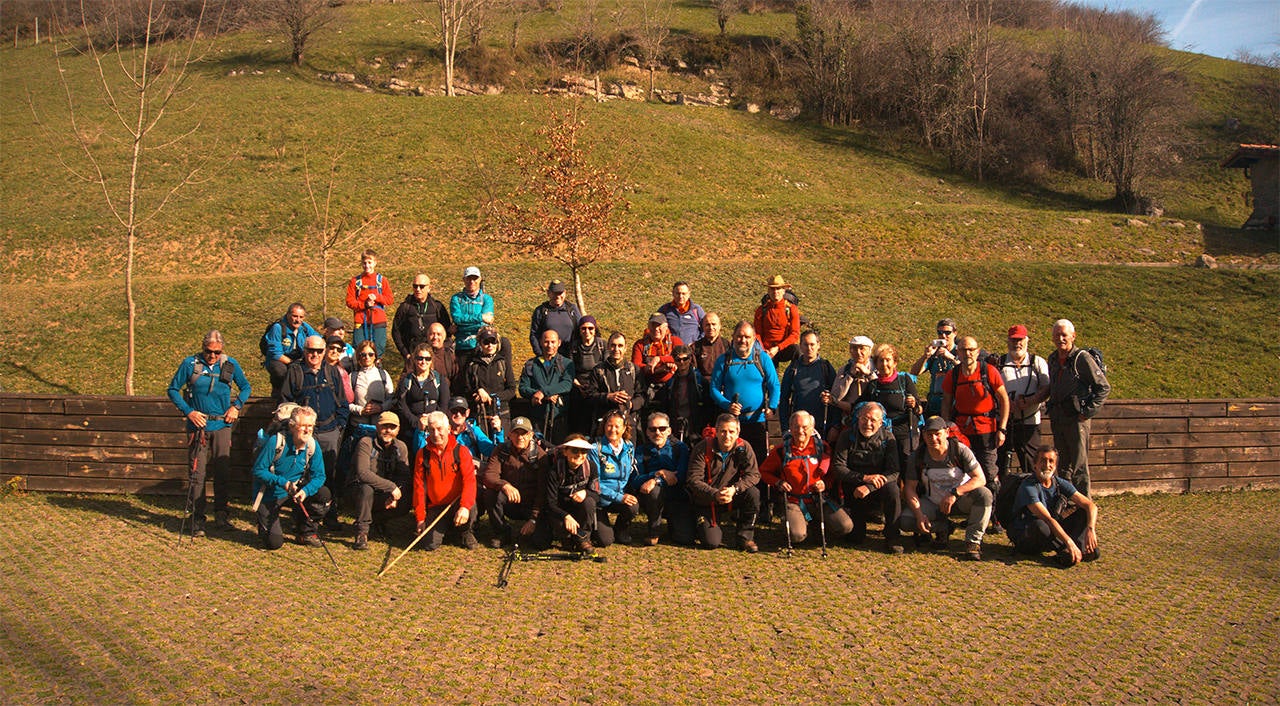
(1026, 379)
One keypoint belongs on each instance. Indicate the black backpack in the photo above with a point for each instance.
(262, 342)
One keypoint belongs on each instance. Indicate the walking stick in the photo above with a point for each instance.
(786, 525)
(302, 506)
(198, 440)
(822, 523)
(417, 539)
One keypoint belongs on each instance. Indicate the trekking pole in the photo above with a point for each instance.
(822, 523)
(198, 440)
(786, 525)
(546, 422)
(508, 563)
(302, 506)
(417, 539)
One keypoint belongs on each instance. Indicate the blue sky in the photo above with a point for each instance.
(1214, 27)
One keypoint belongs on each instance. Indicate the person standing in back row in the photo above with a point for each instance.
(368, 296)
(1077, 389)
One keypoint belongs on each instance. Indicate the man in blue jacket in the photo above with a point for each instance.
(290, 469)
(318, 385)
(282, 344)
(662, 467)
(745, 384)
(206, 403)
(545, 382)
(555, 313)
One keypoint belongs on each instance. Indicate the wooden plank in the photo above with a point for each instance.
(1253, 408)
(1138, 487)
(1122, 457)
(172, 424)
(1253, 468)
(1162, 408)
(28, 405)
(1158, 470)
(1234, 424)
(1212, 439)
(1117, 441)
(1139, 426)
(34, 468)
(73, 437)
(81, 484)
(139, 406)
(126, 470)
(40, 452)
(1250, 483)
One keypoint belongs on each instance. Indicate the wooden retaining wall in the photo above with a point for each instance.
(138, 444)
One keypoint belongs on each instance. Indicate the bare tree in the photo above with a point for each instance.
(454, 16)
(300, 19)
(140, 80)
(652, 33)
(724, 10)
(565, 207)
(329, 232)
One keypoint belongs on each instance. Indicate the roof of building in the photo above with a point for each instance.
(1248, 155)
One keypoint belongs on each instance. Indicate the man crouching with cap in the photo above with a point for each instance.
(382, 474)
(944, 478)
(572, 487)
(514, 486)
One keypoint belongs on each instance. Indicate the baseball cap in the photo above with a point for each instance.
(935, 424)
(556, 287)
(458, 403)
(388, 419)
(1018, 331)
(657, 319)
(522, 424)
(471, 271)
(333, 323)
(861, 341)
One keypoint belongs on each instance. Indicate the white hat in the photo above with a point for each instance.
(861, 341)
(577, 444)
(471, 271)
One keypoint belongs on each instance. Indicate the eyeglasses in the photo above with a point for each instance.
(337, 347)
(422, 358)
(317, 351)
(489, 342)
(681, 358)
(458, 410)
(367, 354)
(587, 328)
(420, 286)
(659, 428)
(210, 351)
(944, 332)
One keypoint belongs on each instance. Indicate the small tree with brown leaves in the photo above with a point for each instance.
(566, 207)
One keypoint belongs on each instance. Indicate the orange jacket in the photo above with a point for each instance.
(437, 480)
(358, 290)
(774, 327)
(801, 471)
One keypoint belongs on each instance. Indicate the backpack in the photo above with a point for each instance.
(226, 374)
(954, 374)
(262, 342)
(359, 282)
(1097, 358)
(953, 458)
(280, 444)
(1007, 496)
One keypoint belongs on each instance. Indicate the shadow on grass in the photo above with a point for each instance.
(1221, 240)
(23, 371)
(163, 513)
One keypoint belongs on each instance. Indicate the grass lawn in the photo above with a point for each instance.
(102, 607)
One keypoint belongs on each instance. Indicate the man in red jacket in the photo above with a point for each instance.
(444, 483)
(777, 322)
(368, 296)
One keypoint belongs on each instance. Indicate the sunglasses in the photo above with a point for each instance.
(210, 351)
(337, 347)
(945, 333)
(419, 286)
(423, 358)
(367, 354)
(681, 358)
(488, 341)
(659, 428)
(317, 351)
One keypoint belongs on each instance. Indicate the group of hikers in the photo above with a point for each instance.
(594, 431)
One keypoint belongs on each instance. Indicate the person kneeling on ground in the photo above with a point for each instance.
(797, 468)
(382, 472)
(1042, 520)
(513, 487)
(952, 482)
(444, 474)
(571, 496)
(865, 463)
(290, 468)
(723, 476)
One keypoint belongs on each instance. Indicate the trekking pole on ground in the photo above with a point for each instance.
(302, 506)
(417, 539)
(822, 523)
(508, 563)
(546, 422)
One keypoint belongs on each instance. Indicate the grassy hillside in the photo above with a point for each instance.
(864, 224)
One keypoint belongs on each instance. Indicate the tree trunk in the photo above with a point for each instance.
(577, 290)
(132, 314)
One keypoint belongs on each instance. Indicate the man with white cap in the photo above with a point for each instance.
(854, 380)
(470, 309)
(382, 476)
(1026, 379)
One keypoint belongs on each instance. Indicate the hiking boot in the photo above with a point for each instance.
(584, 544)
(362, 542)
(1090, 556)
(197, 526)
(221, 521)
(995, 528)
(310, 539)
(651, 540)
(332, 523)
(749, 546)
(920, 541)
(942, 535)
(197, 532)
(494, 542)
(624, 537)
(973, 551)
(894, 547)
(469, 541)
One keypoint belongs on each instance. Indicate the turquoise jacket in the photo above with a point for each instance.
(209, 390)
